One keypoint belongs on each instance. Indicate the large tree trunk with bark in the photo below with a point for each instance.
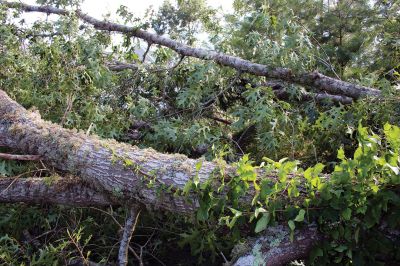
(121, 170)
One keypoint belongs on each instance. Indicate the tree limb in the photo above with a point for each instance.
(308, 79)
(129, 228)
(115, 168)
(282, 94)
(71, 192)
(19, 157)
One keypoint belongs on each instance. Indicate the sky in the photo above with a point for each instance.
(98, 8)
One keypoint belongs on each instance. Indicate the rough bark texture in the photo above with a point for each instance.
(282, 94)
(119, 169)
(274, 247)
(313, 79)
(69, 192)
(20, 157)
(129, 228)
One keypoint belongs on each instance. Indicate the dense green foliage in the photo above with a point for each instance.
(61, 69)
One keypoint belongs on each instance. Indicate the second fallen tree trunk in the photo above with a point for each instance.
(121, 170)
(66, 191)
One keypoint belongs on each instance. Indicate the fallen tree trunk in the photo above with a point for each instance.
(309, 79)
(118, 169)
(65, 191)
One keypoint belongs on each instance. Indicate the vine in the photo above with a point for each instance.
(347, 205)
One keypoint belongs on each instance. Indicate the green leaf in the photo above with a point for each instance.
(340, 154)
(308, 174)
(262, 223)
(316, 252)
(258, 211)
(245, 169)
(237, 214)
(318, 168)
(291, 224)
(266, 188)
(187, 187)
(392, 134)
(198, 166)
(300, 216)
(346, 214)
(341, 248)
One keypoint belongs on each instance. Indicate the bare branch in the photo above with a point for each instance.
(120, 66)
(145, 53)
(282, 94)
(219, 119)
(129, 228)
(19, 157)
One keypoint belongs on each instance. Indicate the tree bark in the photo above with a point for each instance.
(70, 192)
(274, 247)
(311, 79)
(282, 94)
(20, 157)
(129, 228)
(118, 169)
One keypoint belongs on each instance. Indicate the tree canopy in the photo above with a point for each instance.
(260, 137)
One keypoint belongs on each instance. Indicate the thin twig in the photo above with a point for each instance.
(109, 214)
(206, 104)
(136, 255)
(70, 101)
(223, 256)
(71, 237)
(147, 50)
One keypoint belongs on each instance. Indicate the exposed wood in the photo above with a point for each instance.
(309, 79)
